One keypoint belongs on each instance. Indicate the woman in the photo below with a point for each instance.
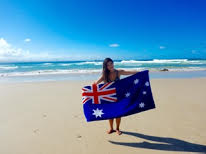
(110, 74)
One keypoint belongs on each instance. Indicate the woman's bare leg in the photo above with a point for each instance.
(118, 120)
(111, 126)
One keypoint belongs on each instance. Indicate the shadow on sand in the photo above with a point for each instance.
(167, 144)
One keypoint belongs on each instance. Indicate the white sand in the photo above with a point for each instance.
(47, 118)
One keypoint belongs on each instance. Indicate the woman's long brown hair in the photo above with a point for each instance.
(105, 71)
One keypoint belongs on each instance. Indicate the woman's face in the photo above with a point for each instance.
(110, 66)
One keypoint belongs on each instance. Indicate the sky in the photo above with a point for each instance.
(94, 29)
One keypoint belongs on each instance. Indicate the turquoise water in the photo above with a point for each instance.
(89, 70)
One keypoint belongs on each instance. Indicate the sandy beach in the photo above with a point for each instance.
(47, 118)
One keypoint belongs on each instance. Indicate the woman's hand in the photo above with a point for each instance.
(94, 82)
(123, 72)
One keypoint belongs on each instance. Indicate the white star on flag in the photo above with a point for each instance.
(98, 113)
(147, 83)
(144, 92)
(136, 81)
(141, 105)
(127, 94)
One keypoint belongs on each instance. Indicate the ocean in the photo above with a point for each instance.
(91, 70)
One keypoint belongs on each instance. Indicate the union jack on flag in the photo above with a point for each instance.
(99, 93)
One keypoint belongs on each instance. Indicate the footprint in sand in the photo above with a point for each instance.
(79, 136)
(36, 131)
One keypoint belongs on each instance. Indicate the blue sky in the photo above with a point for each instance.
(95, 29)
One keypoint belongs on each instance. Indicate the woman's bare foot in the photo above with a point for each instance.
(118, 132)
(110, 131)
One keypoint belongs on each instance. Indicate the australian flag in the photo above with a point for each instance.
(124, 97)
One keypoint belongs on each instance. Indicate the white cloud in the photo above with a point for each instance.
(3, 43)
(27, 40)
(6, 50)
(9, 53)
(114, 45)
(162, 47)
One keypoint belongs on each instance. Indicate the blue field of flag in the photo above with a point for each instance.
(125, 97)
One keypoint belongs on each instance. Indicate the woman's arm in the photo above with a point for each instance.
(123, 72)
(99, 80)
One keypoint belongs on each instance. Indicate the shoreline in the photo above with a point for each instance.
(91, 71)
(95, 76)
